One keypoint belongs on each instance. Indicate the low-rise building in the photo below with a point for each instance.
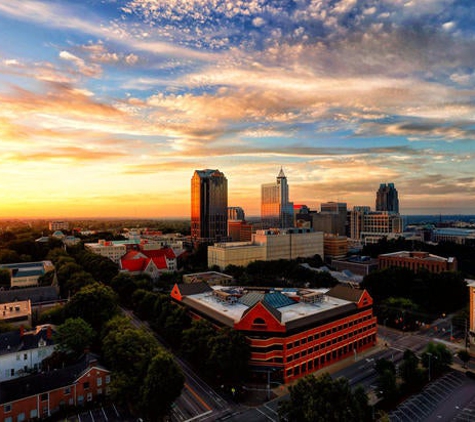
(41, 395)
(334, 246)
(26, 274)
(212, 278)
(267, 245)
(291, 332)
(21, 352)
(360, 265)
(416, 261)
(109, 249)
(16, 314)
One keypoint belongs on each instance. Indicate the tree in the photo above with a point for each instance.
(194, 341)
(127, 351)
(410, 372)
(95, 303)
(322, 399)
(74, 336)
(124, 285)
(386, 381)
(464, 356)
(161, 386)
(229, 355)
(436, 358)
(4, 278)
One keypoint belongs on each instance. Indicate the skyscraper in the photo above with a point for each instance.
(209, 206)
(387, 199)
(276, 210)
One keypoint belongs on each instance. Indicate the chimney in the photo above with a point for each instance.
(48, 332)
(22, 330)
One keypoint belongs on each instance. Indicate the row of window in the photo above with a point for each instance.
(321, 346)
(320, 361)
(328, 332)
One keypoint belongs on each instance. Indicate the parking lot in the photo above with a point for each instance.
(448, 398)
(102, 414)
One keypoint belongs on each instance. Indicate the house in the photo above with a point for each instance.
(17, 313)
(150, 262)
(21, 352)
(26, 274)
(43, 394)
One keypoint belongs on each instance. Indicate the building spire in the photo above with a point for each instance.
(281, 174)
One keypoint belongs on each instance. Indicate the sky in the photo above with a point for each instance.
(108, 107)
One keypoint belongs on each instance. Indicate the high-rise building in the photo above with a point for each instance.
(276, 210)
(236, 213)
(369, 226)
(209, 206)
(387, 199)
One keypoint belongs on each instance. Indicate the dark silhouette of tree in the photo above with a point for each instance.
(386, 381)
(323, 399)
(194, 342)
(74, 336)
(162, 385)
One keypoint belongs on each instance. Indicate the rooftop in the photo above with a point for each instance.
(292, 304)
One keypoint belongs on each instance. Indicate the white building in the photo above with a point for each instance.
(26, 274)
(22, 352)
(267, 245)
(113, 251)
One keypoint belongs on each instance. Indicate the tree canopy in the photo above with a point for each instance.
(323, 399)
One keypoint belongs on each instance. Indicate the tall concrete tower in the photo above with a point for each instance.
(276, 210)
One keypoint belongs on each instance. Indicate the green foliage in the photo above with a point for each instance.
(412, 376)
(74, 336)
(229, 355)
(161, 386)
(101, 268)
(427, 294)
(125, 286)
(53, 315)
(438, 356)
(282, 273)
(464, 356)
(8, 256)
(322, 399)
(386, 381)
(128, 352)
(95, 303)
(194, 342)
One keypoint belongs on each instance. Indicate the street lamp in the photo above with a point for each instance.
(430, 355)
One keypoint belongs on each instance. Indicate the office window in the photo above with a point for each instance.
(25, 356)
(99, 382)
(44, 397)
(7, 408)
(86, 385)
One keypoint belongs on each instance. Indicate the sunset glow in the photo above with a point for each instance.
(108, 107)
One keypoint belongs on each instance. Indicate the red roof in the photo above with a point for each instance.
(155, 253)
(133, 265)
(160, 262)
(133, 255)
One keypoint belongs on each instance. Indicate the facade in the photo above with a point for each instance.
(334, 246)
(234, 253)
(267, 245)
(112, 250)
(456, 235)
(359, 265)
(58, 225)
(471, 317)
(239, 231)
(152, 262)
(291, 332)
(209, 206)
(236, 213)
(416, 261)
(276, 210)
(21, 352)
(375, 225)
(16, 314)
(41, 395)
(26, 274)
(212, 278)
(387, 198)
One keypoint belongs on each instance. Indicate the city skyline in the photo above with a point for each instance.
(109, 106)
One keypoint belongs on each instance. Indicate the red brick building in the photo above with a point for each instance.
(43, 394)
(291, 332)
(416, 261)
